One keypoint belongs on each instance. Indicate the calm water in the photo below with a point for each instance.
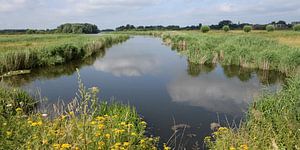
(164, 87)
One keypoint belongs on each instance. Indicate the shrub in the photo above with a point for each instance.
(247, 28)
(226, 28)
(296, 27)
(270, 28)
(205, 29)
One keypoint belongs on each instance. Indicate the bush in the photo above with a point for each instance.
(296, 27)
(270, 28)
(226, 28)
(247, 28)
(205, 29)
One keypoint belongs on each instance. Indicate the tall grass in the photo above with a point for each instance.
(84, 123)
(30, 51)
(250, 51)
(273, 122)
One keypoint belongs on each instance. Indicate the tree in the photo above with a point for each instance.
(270, 28)
(247, 28)
(226, 28)
(296, 27)
(281, 22)
(205, 29)
(224, 23)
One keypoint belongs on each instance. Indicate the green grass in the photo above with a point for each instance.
(273, 122)
(84, 123)
(30, 51)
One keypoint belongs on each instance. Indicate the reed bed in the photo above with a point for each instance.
(262, 50)
(30, 51)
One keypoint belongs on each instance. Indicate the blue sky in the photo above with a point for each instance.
(112, 13)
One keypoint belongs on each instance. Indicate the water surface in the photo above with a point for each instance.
(165, 87)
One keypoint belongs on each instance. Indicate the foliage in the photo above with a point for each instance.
(30, 51)
(12, 98)
(85, 123)
(270, 28)
(77, 28)
(296, 27)
(204, 29)
(247, 28)
(226, 28)
(272, 123)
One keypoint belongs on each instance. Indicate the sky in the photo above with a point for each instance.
(42, 14)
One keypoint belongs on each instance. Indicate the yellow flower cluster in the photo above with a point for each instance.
(61, 146)
(244, 147)
(34, 124)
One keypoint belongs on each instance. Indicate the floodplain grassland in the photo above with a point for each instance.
(19, 52)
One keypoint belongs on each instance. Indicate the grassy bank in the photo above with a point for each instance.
(268, 51)
(85, 123)
(30, 51)
(273, 122)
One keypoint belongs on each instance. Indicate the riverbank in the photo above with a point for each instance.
(84, 123)
(18, 52)
(278, 50)
(272, 123)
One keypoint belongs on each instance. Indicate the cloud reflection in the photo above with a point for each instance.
(129, 65)
(213, 92)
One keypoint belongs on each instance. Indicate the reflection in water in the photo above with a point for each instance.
(128, 65)
(266, 77)
(195, 70)
(53, 71)
(213, 92)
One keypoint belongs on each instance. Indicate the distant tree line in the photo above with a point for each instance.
(75, 28)
(280, 25)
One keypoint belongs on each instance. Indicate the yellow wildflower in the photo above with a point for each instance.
(130, 125)
(123, 123)
(97, 134)
(143, 123)
(19, 109)
(166, 147)
(244, 147)
(100, 118)
(223, 129)
(133, 134)
(101, 144)
(65, 146)
(101, 126)
(107, 136)
(8, 133)
(93, 122)
(39, 123)
(71, 113)
(232, 148)
(142, 141)
(126, 144)
(56, 146)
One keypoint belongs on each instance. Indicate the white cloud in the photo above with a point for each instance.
(213, 92)
(129, 63)
(11, 5)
